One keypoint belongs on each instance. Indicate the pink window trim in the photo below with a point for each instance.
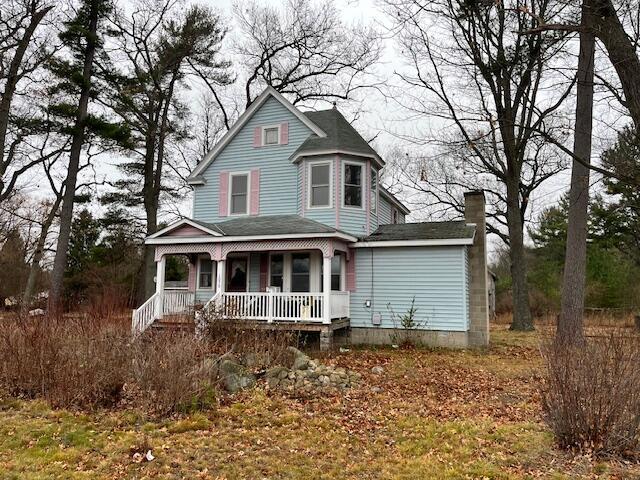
(224, 194)
(254, 205)
(193, 271)
(257, 137)
(367, 191)
(284, 133)
(351, 270)
(303, 189)
(337, 189)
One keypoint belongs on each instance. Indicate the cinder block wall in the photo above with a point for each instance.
(474, 212)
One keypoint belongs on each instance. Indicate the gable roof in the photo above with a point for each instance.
(256, 228)
(451, 233)
(394, 200)
(195, 177)
(205, 228)
(340, 137)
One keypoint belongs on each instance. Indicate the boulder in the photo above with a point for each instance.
(235, 377)
(377, 370)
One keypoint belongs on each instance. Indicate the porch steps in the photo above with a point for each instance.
(174, 323)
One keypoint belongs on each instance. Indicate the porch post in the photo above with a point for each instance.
(221, 273)
(160, 266)
(326, 289)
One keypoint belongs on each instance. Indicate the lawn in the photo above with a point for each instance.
(439, 414)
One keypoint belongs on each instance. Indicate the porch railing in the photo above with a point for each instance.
(175, 302)
(145, 315)
(280, 307)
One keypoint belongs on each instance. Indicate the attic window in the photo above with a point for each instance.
(271, 135)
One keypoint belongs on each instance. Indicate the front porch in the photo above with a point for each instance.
(268, 282)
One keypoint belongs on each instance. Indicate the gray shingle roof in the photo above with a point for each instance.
(422, 231)
(271, 225)
(340, 135)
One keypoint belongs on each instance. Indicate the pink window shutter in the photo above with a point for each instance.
(284, 133)
(264, 271)
(257, 137)
(351, 271)
(224, 194)
(255, 192)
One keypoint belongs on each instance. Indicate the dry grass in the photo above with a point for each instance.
(432, 414)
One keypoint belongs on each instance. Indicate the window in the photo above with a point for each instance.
(394, 215)
(374, 190)
(336, 273)
(276, 270)
(352, 185)
(300, 268)
(205, 275)
(271, 135)
(320, 181)
(239, 189)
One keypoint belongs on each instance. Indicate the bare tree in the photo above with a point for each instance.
(475, 73)
(22, 52)
(160, 45)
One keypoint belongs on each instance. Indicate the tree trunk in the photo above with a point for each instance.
(522, 320)
(570, 324)
(27, 296)
(622, 54)
(66, 214)
(147, 286)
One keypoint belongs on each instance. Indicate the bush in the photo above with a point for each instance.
(591, 393)
(174, 372)
(70, 362)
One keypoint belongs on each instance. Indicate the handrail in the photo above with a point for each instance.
(144, 316)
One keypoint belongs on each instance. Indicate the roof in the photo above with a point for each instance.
(262, 227)
(340, 136)
(422, 231)
(394, 200)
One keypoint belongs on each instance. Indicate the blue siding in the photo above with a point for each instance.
(391, 277)
(384, 212)
(278, 176)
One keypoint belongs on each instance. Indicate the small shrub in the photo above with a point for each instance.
(174, 372)
(255, 346)
(591, 393)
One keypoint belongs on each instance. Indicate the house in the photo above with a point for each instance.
(292, 227)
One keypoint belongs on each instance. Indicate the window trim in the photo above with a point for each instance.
(230, 193)
(375, 198)
(213, 273)
(284, 262)
(363, 181)
(263, 135)
(310, 185)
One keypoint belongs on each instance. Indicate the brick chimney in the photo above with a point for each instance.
(474, 212)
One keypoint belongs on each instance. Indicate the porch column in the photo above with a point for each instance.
(160, 266)
(326, 289)
(221, 273)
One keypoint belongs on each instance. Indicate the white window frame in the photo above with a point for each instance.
(263, 135)
(396, 214)
(310, 185)
(230, 193)
(284, 270)
(214, 271)
(363, 182)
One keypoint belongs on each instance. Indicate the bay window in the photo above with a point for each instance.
(352, 185)
(320, 185)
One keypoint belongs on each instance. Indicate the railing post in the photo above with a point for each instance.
(270, 307)
(326, 289)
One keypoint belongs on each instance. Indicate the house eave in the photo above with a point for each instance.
(178, 224)
(247, 238)
(438, 242)
(296, 157)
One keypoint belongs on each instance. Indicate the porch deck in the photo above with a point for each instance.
(286, 310)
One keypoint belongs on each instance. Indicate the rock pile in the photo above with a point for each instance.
(309, 374)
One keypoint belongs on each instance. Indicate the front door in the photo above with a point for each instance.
(237, 274)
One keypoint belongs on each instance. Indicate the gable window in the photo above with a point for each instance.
(352, 185)
(271, 135)
(239, 188)
(320, 185)
(374, 191)
(205, 273)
